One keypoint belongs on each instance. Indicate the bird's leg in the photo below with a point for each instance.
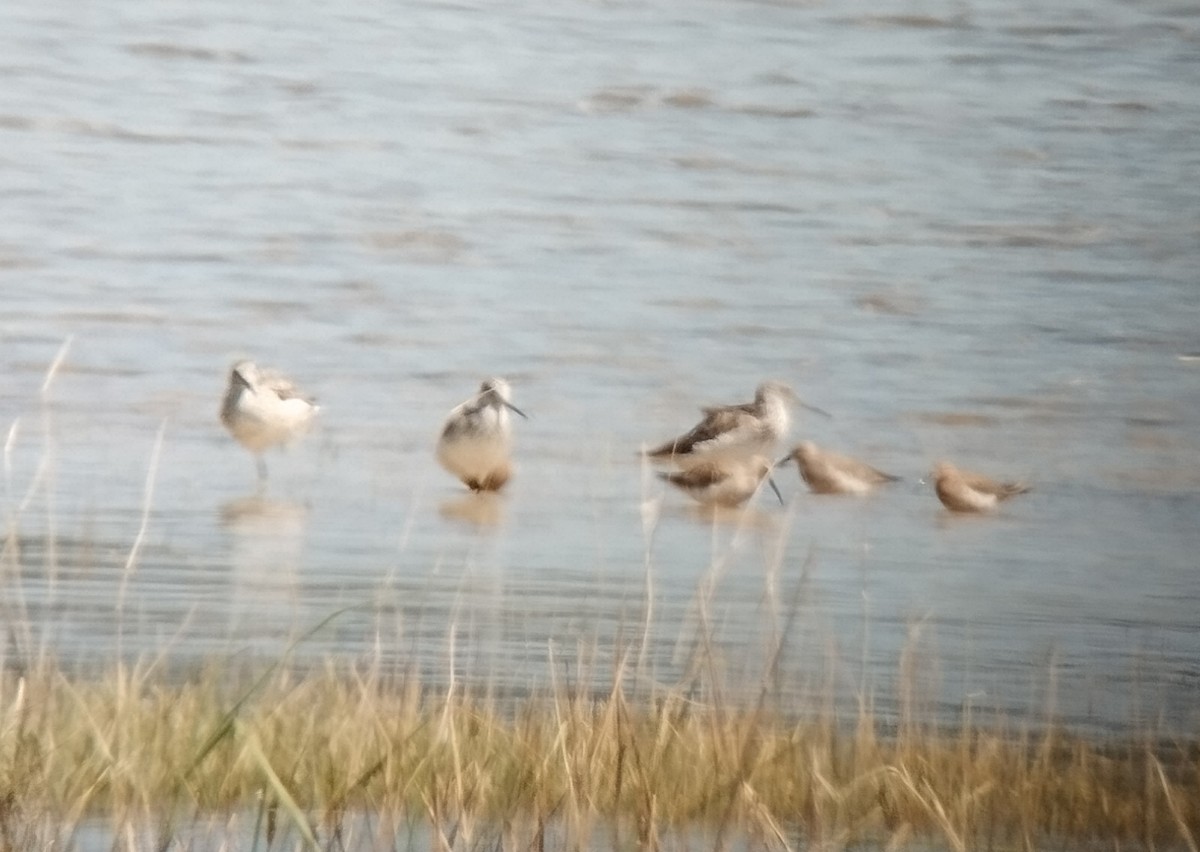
(262, 471)
(775, 488)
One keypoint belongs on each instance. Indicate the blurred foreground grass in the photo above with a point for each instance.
(303, 754)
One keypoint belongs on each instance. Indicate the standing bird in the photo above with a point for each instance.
(262, 409)
(735, 432)
(477, 438)
(725, 483)
(963, 491)
(827, 472)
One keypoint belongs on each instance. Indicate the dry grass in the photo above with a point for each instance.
(314, 751)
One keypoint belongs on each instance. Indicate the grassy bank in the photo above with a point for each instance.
(304, 753)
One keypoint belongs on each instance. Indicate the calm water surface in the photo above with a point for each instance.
(970, 231)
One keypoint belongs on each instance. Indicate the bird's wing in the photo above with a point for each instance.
(282, 386)
(715, 410)
(861, 469)
(461, 420)
(718, 422)
(700, 476)
(990, 486)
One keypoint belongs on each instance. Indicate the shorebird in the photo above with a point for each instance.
(263, 409)
(963, 491)
(827, 472)
(726, 483)
(477, 437)
(735, 432)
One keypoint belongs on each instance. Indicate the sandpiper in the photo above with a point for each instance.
(477, 438)
(723, 483)
(735, 432)
(963, 491)
(827, 472)
(263, 409)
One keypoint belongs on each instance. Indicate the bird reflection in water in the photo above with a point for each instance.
(266, 546)
(483, 509)
(745, 517)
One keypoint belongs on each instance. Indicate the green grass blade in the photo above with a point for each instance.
(225, 726)
(281, 791)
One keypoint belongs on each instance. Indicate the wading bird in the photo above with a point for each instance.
(735, 432)
(263, 409)
(827, 472)
(963, 491)
(476, 439)
(727, 483)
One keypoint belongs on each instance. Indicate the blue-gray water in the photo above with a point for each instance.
(970, 231)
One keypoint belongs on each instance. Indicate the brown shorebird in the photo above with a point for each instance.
(263, 409)
(476, 440)
(727, 483)
(963, 491)
(827, 472)
(735, 432)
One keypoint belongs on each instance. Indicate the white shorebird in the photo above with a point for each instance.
(827, 472)
(476, 439)
(724, 483)
(963, 491)
(263, 409)
(736, 432)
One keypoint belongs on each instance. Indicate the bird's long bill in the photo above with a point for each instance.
(796, 399)
(784, 460)
(512, 407)
(814, 409)
(775, 488)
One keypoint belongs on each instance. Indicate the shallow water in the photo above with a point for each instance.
(969, 233)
